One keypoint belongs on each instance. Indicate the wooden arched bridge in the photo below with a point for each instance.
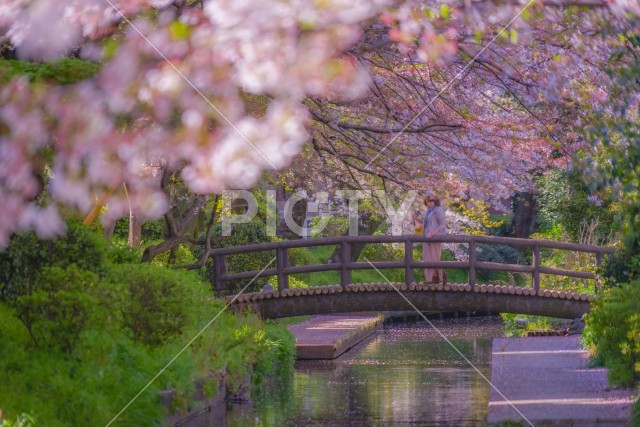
(387, 296)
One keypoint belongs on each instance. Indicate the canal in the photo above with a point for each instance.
(406, 374)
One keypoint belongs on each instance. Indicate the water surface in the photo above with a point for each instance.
(405, 375)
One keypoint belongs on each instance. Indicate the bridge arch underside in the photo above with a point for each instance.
(570, 306)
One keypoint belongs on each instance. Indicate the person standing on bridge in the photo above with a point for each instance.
(434, 224)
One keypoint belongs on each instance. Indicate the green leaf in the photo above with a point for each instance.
(428, 12)
(179, 30)
(445, 12)
(513, 36)
(109, 48)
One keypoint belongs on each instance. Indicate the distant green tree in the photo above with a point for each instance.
(242, 234)
(612, 163)
(565, 200)
(28, 254)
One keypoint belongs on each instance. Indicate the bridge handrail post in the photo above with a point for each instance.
(535, 277)
(345, 259)
(596, 281)
(282, 262)
(472, 262)
(219, 270)
(598, 258)
(408, 259)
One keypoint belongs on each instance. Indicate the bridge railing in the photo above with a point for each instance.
(346, 265)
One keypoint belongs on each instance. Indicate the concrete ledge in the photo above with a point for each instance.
(327, 337)
(548, 380)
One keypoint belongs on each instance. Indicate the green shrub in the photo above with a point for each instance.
(613, 333)
(622, 266)
(336, 226)
(105, 369)
(60, 309)
(180, 255)
(102, 330)
(153, 230)
(294, 283)
(501, 225)
(500, 254)
(566, 260)
(159, 303)
(119, 252)
(300, 256)
(121, 228)
(242, 234)
(233, 345)
(27, 255)
(86, 387)
(280, 352)
(565, 200)
(297, 283)
(382, 252)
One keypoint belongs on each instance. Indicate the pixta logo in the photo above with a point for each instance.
(351, 199)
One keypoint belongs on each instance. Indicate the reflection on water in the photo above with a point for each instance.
(406, 374)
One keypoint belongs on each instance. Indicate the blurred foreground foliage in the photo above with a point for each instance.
(62, 71)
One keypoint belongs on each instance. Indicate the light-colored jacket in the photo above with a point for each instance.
(435, 222)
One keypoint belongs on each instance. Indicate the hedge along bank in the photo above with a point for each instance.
(122, 324)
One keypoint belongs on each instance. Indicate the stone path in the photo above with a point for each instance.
(548, 380)
(328, 336)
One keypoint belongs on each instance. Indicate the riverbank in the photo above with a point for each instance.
(548, 380)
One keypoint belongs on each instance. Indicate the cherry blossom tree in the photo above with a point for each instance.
(485, 136)
(178, 80)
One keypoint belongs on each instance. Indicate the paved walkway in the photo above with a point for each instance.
(328, 336)
(548, 380)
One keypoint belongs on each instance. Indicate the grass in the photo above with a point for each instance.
(286, 321)
(321, 254)
(517, 325)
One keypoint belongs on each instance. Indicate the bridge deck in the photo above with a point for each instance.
(383, 297)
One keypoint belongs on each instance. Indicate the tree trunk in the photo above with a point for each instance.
(135, 231)
(281, 228)
(109, 229)
(298, 212)
(524, 214)
(366, 227)
(179, 227)
(173, 255)
(152, 251)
